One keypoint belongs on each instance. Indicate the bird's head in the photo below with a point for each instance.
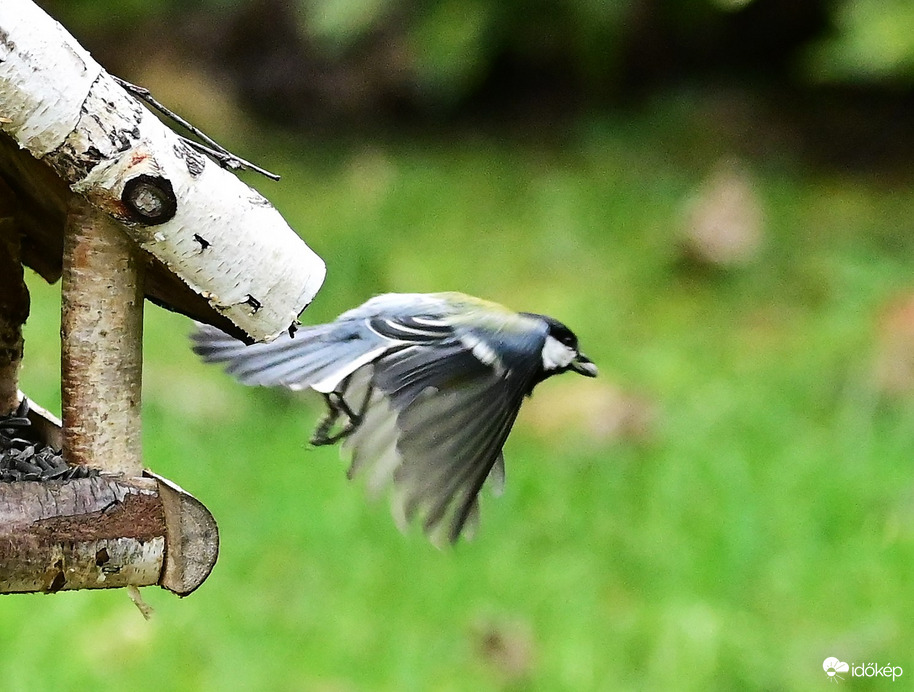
(560, 351)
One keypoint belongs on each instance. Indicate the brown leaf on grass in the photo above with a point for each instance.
(600, 412)
(893, 361)
(724, 220)
(507, 648)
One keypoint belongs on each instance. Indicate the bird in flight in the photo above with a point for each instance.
(422, 390)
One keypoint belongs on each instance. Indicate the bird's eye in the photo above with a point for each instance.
(562, 334)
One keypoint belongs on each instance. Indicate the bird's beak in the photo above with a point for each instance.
(584, 366)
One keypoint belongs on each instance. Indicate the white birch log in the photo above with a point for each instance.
(94, 533)
(101, 532)
(222, 238)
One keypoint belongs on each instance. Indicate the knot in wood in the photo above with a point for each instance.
(150, 199)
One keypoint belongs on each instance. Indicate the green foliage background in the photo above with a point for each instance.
(764, 522)
(447, 47)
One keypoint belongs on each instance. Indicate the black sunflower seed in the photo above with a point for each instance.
(23, 457)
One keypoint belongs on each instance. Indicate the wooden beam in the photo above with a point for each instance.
(102, 532)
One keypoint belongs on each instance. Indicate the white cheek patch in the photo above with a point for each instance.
(557, 355)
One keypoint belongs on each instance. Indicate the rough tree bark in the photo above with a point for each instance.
(14, 302)
(103, 533)
(83, 534)
(101, 331)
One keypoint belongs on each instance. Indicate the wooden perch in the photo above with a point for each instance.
(101, 532)
(222, 239)
(82, 534)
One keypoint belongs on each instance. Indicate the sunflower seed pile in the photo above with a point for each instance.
(23, 458)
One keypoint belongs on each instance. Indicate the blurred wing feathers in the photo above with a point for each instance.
(450, 442)
(410, 329)
(405, 373)
(315, 356)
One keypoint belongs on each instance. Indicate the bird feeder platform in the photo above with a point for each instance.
(97, 192)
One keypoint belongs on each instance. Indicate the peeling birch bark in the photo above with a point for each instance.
(92, 533)
(101, 330)
(102, 533)
(223, 239)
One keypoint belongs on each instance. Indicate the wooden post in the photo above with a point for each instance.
(101, 331)
(14, 302)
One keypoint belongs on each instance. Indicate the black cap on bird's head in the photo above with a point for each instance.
(560, 351)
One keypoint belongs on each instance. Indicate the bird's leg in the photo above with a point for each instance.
(337, 405)
(321, 434)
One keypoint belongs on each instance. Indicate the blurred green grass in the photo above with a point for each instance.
(765, 523)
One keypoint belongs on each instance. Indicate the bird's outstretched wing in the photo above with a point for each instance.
(315, 355)
(433, 425)
(323, 355)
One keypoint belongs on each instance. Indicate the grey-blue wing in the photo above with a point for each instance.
(312, 355)
(450, 440)
(323, 355)
(406, 372)
(434, 427)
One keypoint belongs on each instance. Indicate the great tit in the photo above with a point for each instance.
(422, 388)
